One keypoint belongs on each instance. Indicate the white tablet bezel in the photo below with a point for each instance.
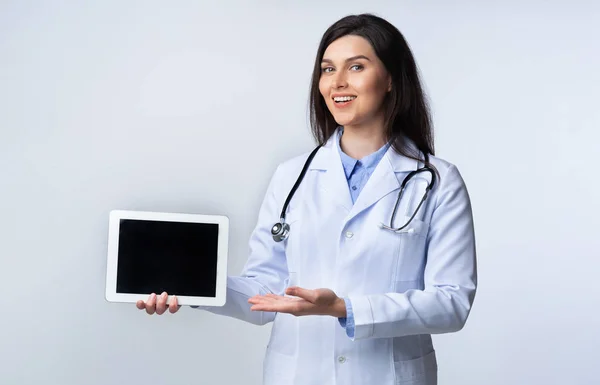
(113, 248)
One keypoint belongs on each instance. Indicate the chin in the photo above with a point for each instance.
(345, 120)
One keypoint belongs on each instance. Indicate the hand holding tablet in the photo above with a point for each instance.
(158, 304)
(184, 255)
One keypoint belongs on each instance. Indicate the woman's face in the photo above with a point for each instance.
(354, 82)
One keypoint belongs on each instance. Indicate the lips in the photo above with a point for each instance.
(343, 101)
(343, 98)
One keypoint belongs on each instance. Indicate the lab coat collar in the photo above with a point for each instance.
(382, 182)
(329, 156)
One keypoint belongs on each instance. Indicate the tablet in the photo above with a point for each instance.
(155, 252)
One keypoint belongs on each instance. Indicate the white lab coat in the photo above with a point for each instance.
(403, 286)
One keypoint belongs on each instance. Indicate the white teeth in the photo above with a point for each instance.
(344, 98)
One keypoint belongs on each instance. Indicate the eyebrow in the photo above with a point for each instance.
(349, 59)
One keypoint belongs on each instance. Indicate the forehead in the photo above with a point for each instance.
(349, 46)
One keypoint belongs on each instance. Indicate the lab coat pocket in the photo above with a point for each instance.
(411, 259)
(416, 227)
(420, 371)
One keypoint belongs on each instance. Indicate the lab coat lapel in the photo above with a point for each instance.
(333, 181)
(383, 181)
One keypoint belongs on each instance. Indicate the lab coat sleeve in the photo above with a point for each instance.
(266, 268)
(450, 276)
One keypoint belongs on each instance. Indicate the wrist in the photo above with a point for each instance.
(339, 308)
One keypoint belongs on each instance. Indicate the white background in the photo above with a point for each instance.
(188, 106)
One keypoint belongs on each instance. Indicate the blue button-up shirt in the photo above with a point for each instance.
(357, 174)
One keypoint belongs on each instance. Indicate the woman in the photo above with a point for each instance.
(369, 268)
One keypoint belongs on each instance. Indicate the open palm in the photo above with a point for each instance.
(302, 302)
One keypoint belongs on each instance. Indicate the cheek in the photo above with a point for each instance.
(373, 91)
(323, 88)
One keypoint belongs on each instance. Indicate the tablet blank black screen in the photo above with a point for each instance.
(177, 257)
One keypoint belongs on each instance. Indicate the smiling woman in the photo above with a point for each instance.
(354, 84)
(373, 246)
(366, 56)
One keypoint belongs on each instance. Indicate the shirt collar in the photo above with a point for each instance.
(369, 162)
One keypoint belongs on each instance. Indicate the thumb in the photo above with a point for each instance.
(309, 295)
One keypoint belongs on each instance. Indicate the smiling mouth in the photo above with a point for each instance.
(343, 99)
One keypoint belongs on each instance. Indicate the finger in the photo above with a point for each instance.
(277, 308)
(265, 307)
(309, 295)
(267, 298)
(260, 302)
(140, 305)
(174, 305)
(293, 307)
(282, 298)
(258, 299)
(161, 303)
(273, 297)
(261, 298)
(151, 304)
(279, 297)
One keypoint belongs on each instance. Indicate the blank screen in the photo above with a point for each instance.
(177, 257)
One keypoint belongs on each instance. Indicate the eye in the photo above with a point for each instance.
(326, 69)
(356, 67)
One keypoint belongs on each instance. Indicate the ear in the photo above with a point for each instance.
(389, 81)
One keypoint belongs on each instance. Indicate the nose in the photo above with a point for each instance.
(339, 80)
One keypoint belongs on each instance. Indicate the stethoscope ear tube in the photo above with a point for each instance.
(425, 168)
(281, 230)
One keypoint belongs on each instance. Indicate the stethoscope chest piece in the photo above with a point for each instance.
(280, 231)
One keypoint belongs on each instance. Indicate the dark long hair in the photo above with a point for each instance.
(406, 108)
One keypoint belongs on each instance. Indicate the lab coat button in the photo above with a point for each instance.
(349, 234)
(341, 359)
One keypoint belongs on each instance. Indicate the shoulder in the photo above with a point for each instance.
(443, 166)
(292, 165)
(287, 172)
(450, 182)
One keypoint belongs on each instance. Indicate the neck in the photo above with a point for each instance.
(358, 142)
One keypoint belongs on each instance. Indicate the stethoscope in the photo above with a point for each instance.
(281, 230)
